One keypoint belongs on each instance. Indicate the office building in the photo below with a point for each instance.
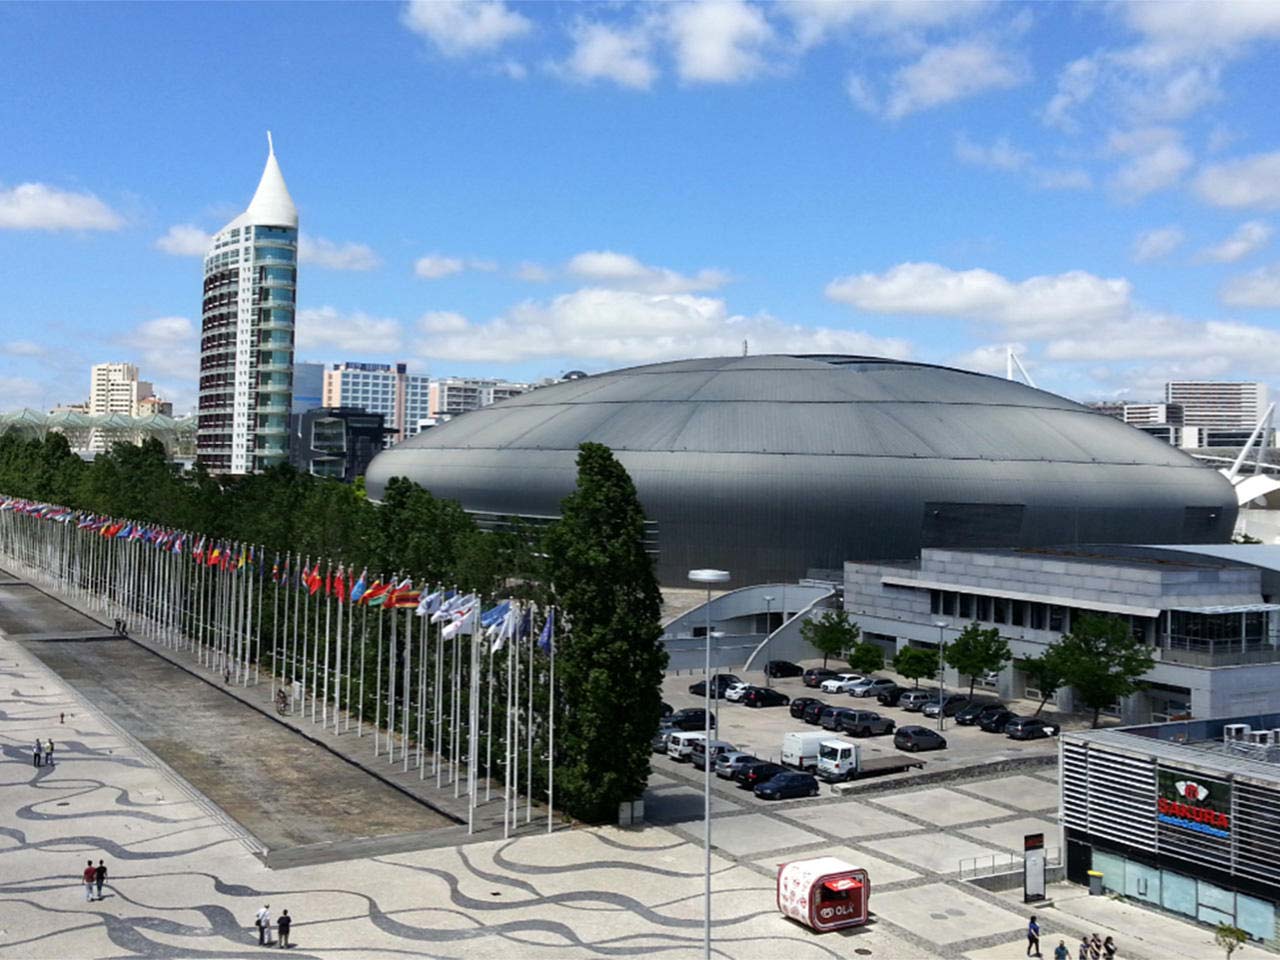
(455, 395)
(246, 332)
(1137, 414)
(152, 405)
(337, 443)
(308, 386)
(401, 397)
(1230, 404)
(115, 388)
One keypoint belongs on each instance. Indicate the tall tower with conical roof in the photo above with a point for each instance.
(246, 332)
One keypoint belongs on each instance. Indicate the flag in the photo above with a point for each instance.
(402, 595)
(505, 629)
(495, 614)
(179, 543)
(376, 595)
(215, 555)
(340, 585)
(275, 569)
(455, 603)
(547, 638)
(198, 553)
(328, 581)
(314, 581)
(429, 603)
(240, 562)
(124, 532)
(359, 587)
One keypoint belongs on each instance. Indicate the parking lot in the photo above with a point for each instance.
(760, 731)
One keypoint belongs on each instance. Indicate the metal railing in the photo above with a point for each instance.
(996, 863)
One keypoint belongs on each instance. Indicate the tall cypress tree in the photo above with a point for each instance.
(609, 664)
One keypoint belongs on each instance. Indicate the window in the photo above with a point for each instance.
(948, 604)
(935, 601)
(1019, 612)
(984, 609)
(1001, 610)
(1037, 616)
(1057, 619)
(966, 606)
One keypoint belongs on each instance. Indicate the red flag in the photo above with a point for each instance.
(314, 581)
(328, 581)
(340, 586)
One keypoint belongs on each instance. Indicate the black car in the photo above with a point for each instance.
(786, 785)
(890, 696)
(865, 723)
(765, 697)
(919, 738)
(814, 676)
(947, 704)
(691, 718)
(813, 712)
(996, 720)
(659, 743)
(783, 668)
(1029, 728)
(667, 709)
(720, 682)
(749, 775)
(800, 704)
(977, 711)
(832, 717)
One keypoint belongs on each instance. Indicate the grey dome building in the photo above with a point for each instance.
(773, 466)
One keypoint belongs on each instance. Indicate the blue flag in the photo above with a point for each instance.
(361, 586)
(546, 640)
(495, 614)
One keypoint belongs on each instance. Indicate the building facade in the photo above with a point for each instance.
(390, 390)
(308, 387)
(1182, 817)
(115, 388)
(247, 333)
(152, 405)
(337, 443)
(1230, 404)
(455, 395)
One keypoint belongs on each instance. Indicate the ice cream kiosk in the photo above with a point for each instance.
(824, 893)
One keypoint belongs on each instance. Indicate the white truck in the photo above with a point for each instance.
(800, 749)
(841, 759)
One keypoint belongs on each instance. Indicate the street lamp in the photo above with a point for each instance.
(768, 630)
(942, 673)
(707, 577)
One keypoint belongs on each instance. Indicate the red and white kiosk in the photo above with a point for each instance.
(824, 893)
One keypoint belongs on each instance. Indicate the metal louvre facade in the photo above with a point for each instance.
(771, 466)
(1109, 795)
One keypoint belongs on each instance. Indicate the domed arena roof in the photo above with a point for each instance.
(776, 466)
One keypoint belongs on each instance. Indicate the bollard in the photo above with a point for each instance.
(1095, 883)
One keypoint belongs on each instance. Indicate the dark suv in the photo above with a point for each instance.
(813, 712)
(800, 704)
(976, 712)
(865, 723)
(832, 718)
(783, 668)
(750, 775)
(814, 676)
(720, 682)
(691, 718)
(890, 696)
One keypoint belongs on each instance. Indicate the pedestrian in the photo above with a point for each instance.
(1033, 938)
(1060, 952)
(36, 754)
(48, 752)
(282, 927)
(89, 875)
(1109, 949)
(1095, 948)
(62, 718)
(100, 877)
(1083, 952)
(264, 926)
(226, 676)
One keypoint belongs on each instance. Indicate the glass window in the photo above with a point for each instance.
(1177, 893)
(1018, 609)
(935, 601)
(1057, 619)
(1215, 905)
(984, 609)
(948, 604)
(1255, 917)
(966, 605)
(1001, 610)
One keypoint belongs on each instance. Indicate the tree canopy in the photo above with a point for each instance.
(977, 651)
(915, 663)
(831, 634)
(864, 657)
(1102, 660)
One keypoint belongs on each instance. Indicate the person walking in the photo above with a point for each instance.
(1033, 938)
(282, 928)
(1109, 949)
(36, 754)
(1095, 948)
(264, 926)
(1083, 952)
(48, 752)
(100, 877)
(89, 875)
(1060, 952)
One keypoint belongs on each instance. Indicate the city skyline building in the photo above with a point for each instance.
(1230, 404)
(450, 396)
(388, 389)
(247, 332)
(308, 387)
(116, 388)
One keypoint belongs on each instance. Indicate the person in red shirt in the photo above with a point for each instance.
(90, 874)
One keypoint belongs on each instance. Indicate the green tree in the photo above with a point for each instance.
(1229, 938)
(977, 651)
(865, 657)
(915, 663)
(831, 634)
(1045, 673)
(1103, 661)
(610, 661)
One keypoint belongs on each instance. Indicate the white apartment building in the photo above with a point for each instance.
(401, 397)
(1149, 413)
(115, 388)
(455, 395)
(246, 335)
(1229, 404)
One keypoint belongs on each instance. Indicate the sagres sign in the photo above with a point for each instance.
(1193, 802)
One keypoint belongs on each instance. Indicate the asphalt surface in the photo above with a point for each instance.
(25, 610)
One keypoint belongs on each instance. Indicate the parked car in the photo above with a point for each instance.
(700, 749)
(814, 676)
(870, 686)
(865, 723)
(840, 683)
(691, 718)
(790, 784)
(680, 744)
(1029, 728)
(800, 704)
(919, 738)
(720, 682)
(832, 717)
(889, 696)
(783, 668)
(813, 712)
(947, 704)
(996, 720)
(667, 709)
(727, 764)
(976, 711)
(734, 693)
(765, 697)
(660, 738)
(750, 774)
(913, 701)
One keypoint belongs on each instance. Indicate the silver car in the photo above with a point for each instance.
(913, 701)
(727, 764)
(870, 686)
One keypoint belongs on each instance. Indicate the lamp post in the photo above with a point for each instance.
(768, 630)
(707, 577)
(942, 673)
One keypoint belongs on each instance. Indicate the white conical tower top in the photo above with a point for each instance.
(271, 204)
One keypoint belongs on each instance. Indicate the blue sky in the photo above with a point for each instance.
(523, 189)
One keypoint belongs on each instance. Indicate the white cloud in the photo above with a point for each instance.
(21, 348)
(1037, 306)
(1258, 288)
(1068, 178)
(184, 240)
(461, 27)
(167, 352)
(20, 392)
(1076, 84)
(718, 41)
(1157, 161)
(38, 206)
(814, 21)
(1156, 336)
(601, 52)
(442, 321)
(991, 358)
(1248, 237)
(1252, 181)
(319, 252)
(621, 271)
(1173, 31)
(944, 74)
(619, 326)
(434, 267)
(532, 272)
(1000, 155)
(1156, 244)
(354, 331)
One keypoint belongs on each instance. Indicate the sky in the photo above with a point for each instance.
(518, 190)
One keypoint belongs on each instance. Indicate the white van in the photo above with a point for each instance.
(718, 749)
(800, 750)
(680, 744)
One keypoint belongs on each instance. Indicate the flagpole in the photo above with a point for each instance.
(473, 717)
(391, 687)
(551, 737)
(328, 612)
(351, 616)
(406, 688)
(275, 625)
(364, 647)
(528, 732)
(437, 702)
(377, 688)
(422, 690)
(337, 657)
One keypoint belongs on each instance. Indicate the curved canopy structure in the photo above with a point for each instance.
(774, 466)
(81, 428)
